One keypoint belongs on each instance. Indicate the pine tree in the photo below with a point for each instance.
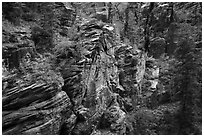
(188, 84)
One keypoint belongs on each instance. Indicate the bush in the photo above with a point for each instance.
(40, 70)
(43, 39)
(12, 11)
(144, 122)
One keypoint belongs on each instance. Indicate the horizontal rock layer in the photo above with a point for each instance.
(34, 109)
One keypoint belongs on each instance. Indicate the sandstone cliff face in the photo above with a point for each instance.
(92, 74)
(34, 109)
(102, 83)
(99, 80)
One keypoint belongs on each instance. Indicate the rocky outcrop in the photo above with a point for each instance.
(91, 80)
(99, 78)
(154, 93)
(31, 104)
(92, 72)
(131, 65)
(102, 81)
(34, 109)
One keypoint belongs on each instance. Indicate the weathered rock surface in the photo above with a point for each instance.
(131, 69)
(102, 81)
(101, 97)
(154, 93)
(91, 80)
(34, 109)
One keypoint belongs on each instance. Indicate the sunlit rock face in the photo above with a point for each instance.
(98, 93)
(98, 100)
(104, 81)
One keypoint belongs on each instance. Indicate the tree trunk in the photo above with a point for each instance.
(126, 21)
(147, 27)
(110, 12)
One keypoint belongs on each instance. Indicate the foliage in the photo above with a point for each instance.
(46, 21)
(188, 83)
(40, 70)
(66, 52)
(62, 49)
(12, 11)
(42, 39)
(167, 71)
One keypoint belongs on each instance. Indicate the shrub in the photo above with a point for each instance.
(40, 70)
(43, 39)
